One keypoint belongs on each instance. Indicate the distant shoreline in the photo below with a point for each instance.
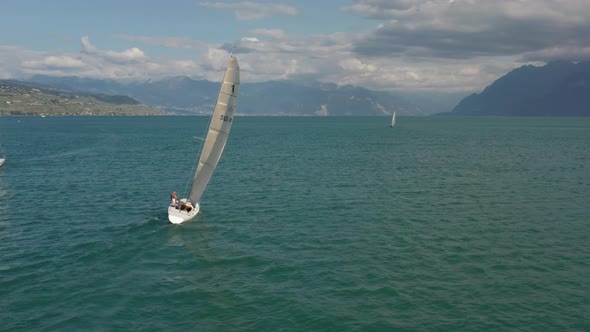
(441, 116)
(82, 115)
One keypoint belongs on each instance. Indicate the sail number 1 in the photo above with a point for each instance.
(225, 118)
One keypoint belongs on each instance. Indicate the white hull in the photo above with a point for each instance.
(176, 216)
(2, 161)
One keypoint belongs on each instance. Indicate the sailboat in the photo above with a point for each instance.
(217, 134)
(2, 157)
(393, 120)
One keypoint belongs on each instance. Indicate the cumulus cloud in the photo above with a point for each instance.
(52, 61)
(465, 29)
(353, 65)
(12, 59)
(271, 33)
(130, 55)
(569, 53)
(458, 45)
(92, 61)
(247, 11)
(311, 46)
(327, 58)
(380, 9)
(267, 55)
(87, 47)
(166, 41)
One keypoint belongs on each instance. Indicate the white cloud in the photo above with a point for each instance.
(12, 58)
(453, 45)
(570, 53)
(272, 33)
(130, 55)
(86, 46)
(216, 59)
(466, 29)
(166, 41)
(355, 65)
(130, 64)
(436, 45)
(247, 11)
(52, 61)
(327, 58)
(252, 40)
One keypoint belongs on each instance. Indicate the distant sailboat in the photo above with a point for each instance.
(217, 134)
(2, 157)
(393, 120)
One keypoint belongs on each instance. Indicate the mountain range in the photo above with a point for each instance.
(183, 95)
(559, 88)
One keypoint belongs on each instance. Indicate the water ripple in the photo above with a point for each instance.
(310, 224)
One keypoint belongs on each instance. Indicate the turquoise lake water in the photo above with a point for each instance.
(309, 224)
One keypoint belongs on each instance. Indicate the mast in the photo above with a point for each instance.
(219, 127)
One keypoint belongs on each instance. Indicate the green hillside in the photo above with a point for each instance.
(17, 98)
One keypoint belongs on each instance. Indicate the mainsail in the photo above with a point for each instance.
(218, 132)
(393, 120)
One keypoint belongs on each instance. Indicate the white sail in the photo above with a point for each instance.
(218, 132)
(393, 120)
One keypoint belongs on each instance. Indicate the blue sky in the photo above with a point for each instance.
(50, 24)
(417, 45)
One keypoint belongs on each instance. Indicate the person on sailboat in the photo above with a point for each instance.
(186, 207)
(174, 198)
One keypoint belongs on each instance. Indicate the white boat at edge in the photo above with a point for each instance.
(392, 120)
(2, 157)
(217, 134)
